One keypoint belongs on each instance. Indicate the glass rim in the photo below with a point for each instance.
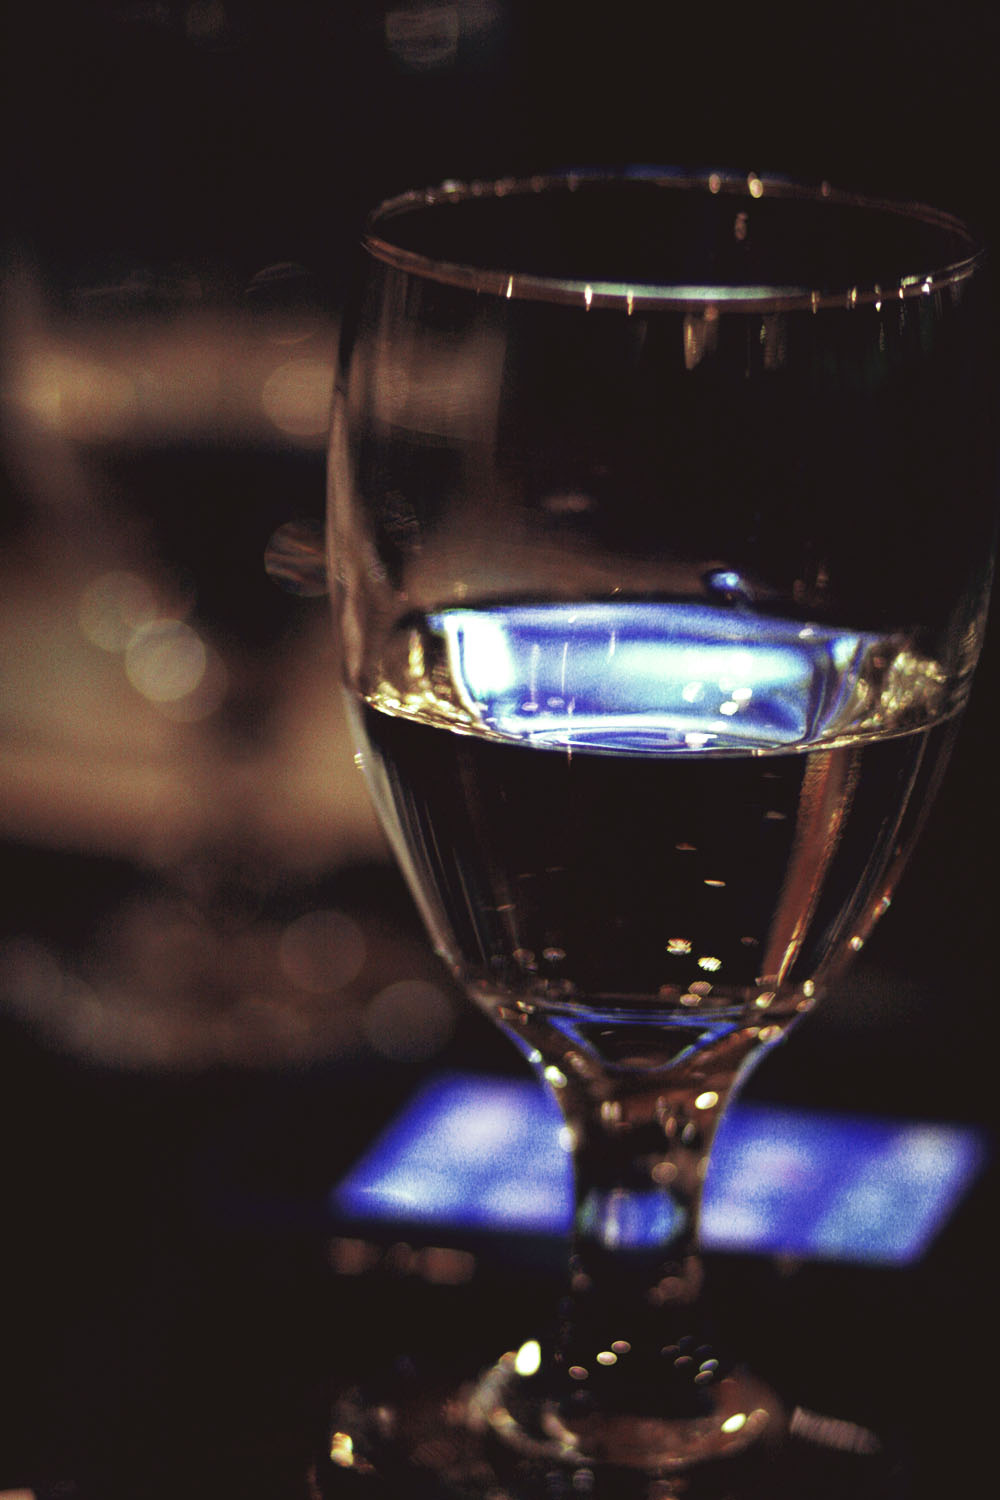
(509, 284)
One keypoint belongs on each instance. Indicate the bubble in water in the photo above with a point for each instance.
(528, 1358)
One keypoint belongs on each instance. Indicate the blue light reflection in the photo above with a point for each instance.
(486, 1155)
(652, 676)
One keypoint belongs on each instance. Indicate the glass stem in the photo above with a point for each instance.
(634, 1325)
(635, 1340)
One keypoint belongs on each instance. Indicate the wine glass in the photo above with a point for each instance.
(661, 525)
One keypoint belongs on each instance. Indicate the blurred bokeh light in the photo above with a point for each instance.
(170, 693)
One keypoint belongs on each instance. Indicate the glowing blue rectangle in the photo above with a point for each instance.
(677, 675)
(458, 1156)
(486, 1155)
(834, 1187)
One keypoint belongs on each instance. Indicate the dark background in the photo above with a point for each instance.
(168, 1321)
(233, 133)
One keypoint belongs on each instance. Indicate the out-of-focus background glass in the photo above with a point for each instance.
(206, 957)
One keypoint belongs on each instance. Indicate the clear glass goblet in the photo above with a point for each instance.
(661, 523)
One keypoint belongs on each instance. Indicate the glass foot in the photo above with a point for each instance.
(482, 1440)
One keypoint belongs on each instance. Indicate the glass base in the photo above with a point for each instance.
(482, 1440)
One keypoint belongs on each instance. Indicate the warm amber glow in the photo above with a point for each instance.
(708, 1100)
(443, 1267)
(78, 395)
(700, 338)
(165, 660)
(528, 1358)
(296, 397)
(415, 655)
(342, 1450)
(113, 607)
